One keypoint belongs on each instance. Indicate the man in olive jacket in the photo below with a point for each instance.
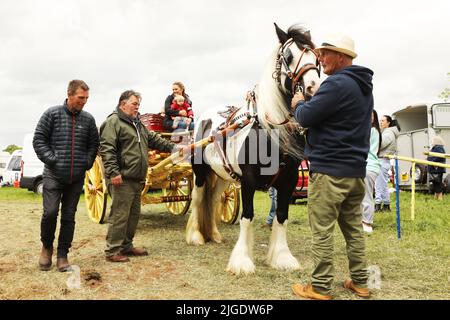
(66, 140)
(124, 145)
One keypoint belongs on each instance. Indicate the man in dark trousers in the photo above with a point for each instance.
(66, 140)
(338, 119)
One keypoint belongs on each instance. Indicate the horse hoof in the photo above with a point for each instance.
(195, 239)
(245, 266)
(238, 270)
(217, 238)
(286, 263)
(288, 267)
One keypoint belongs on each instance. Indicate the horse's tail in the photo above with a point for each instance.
(207, 215)
(201, 223)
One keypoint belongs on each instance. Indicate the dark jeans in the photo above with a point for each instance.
(68, 195)
(436, 182)
(168, 123)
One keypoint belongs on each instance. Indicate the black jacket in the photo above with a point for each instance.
(66, 142)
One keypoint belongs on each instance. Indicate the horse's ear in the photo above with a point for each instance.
(308, 34)
(282, 36)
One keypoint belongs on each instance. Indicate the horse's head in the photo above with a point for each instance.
(293, 66)
(297, 67)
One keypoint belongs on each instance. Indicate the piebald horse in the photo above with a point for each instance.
(265, 150)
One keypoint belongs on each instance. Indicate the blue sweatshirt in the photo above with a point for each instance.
(338, 119)
(439, 149)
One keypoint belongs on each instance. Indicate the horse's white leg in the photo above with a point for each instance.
(241, 259)
(193, 234)
(279, 256)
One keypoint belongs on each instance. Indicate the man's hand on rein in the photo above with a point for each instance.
(296, 99)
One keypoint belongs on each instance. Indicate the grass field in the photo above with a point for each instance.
(415, 267)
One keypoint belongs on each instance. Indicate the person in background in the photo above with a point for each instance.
(389, 134)
(436, 173)
(177, 89)
(273, 207)
(338, 119)
(66, 141)
(372, 172)
(124, 145)
(182, 122)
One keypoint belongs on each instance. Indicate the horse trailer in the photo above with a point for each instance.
(419, 124)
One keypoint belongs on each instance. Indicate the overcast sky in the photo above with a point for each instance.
(217, 48)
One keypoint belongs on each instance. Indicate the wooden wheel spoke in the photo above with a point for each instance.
(95, 195)
(179, 207)
(231, 202)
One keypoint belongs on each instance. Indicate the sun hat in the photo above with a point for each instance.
(437, 140)
(340, 43)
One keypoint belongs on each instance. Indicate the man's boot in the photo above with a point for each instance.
(45, 260)
(377, 207)
(62, 264)
(386, 207)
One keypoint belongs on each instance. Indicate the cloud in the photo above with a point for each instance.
(217, 48)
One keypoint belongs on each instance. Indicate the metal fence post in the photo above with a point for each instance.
(397, 200)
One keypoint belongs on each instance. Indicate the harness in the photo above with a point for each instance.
(295, 77)
(234, 123)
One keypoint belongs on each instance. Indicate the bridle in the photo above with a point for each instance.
(296, 76)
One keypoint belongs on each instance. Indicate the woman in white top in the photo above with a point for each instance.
(372, 172)
(389, 133)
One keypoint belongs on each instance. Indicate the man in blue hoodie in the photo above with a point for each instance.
(338, 119)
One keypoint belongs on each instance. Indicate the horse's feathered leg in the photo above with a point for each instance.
(241, 259)
(279, 256)
(199, 206)
(193, 235)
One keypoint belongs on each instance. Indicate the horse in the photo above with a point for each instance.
(265, 149)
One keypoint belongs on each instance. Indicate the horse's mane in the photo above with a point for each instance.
(301, 36)
(272, 101)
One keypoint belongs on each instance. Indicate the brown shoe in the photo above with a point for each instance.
(136, 252)
(308, 292)
(45, 259)
(117, 258)
(361, 292)
(62, 264)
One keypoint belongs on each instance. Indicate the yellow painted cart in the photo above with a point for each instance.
(174, 178)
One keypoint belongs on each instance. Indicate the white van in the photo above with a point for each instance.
(4, 159)
(12, 172)
(419, 124)
(32, 167)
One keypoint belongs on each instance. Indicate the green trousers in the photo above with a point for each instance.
(124, 216)
(330, 200)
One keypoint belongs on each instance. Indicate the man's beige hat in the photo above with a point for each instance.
(437, 140)
(339, 43)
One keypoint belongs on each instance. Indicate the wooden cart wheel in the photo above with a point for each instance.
(95, 192)
(179, 188)
(231, 202)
